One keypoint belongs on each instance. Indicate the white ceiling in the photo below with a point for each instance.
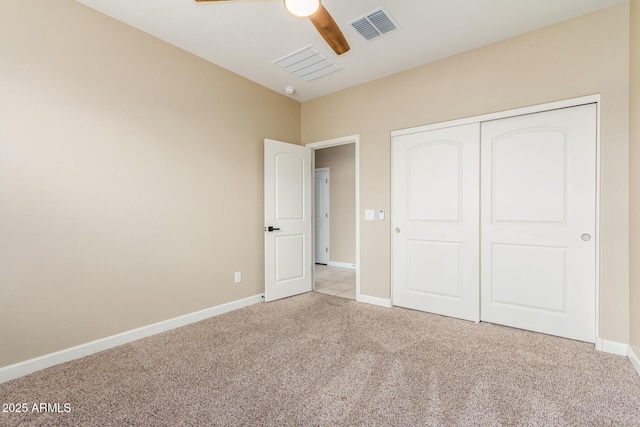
(247, 37)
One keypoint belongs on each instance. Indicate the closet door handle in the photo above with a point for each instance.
(586, 237)
(397, 230)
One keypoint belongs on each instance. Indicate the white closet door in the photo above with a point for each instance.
(538, 222)
(436, 221)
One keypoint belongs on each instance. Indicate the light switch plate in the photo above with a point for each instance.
(369, 214)
(381, 214)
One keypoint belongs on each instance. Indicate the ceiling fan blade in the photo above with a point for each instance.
(329, 30)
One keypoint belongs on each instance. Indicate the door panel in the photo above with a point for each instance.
(436, 221)
(290, 257)
(289, 181)
(518, 280)
(538, 199)
(434, 174)
(287, 210)
(434, 268)
(529, 176)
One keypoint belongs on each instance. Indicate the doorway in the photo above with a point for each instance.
(337, 273)
(321, 216)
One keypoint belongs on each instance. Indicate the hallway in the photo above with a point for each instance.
(336, 281)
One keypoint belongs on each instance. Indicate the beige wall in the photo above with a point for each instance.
(131, 181)
(583, 56)
(634, 307)
(342, 200)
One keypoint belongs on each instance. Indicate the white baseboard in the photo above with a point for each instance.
(341, 264)
(382, 302)
(612, 347)
(635, 361)
(20, 369)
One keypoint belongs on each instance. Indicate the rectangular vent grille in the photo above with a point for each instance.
(374, 24)
(307, 63)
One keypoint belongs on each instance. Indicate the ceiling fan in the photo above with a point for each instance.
(319, 17)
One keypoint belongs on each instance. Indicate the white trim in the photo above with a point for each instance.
(382, 302)
(612, 347)
(574, 102)
(351, 139)
(597, 236)
(392, 219)
(20, 369)
(341, 264)
(334, 142)
(635, 361)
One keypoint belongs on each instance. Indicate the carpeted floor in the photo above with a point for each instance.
(317, 360)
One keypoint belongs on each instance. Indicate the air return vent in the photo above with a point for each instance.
(307, 63)
(374, 24)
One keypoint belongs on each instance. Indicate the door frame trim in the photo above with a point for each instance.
(532, 109)
(350, 139)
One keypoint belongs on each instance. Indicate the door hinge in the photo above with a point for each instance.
(326, 215)
(326, 249)
(326, 180)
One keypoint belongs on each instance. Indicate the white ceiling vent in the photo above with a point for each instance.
(307, 63)
(374, 24)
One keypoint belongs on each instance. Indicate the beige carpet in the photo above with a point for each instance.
(317, 360)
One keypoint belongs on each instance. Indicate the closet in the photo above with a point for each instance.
(495, 221)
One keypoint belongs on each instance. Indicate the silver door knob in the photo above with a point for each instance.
(397, 230)
(586, 237)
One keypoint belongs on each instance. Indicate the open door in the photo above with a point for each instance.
(287, 220)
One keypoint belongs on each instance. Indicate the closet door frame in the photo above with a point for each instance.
(574, 102)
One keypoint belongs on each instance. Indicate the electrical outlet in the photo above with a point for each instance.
(238, 277)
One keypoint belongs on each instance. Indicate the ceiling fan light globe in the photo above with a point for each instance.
(302, 8)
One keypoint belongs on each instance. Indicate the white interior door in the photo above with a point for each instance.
(436, 220)
(322, 215)
(538, 222)
(287, 219)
